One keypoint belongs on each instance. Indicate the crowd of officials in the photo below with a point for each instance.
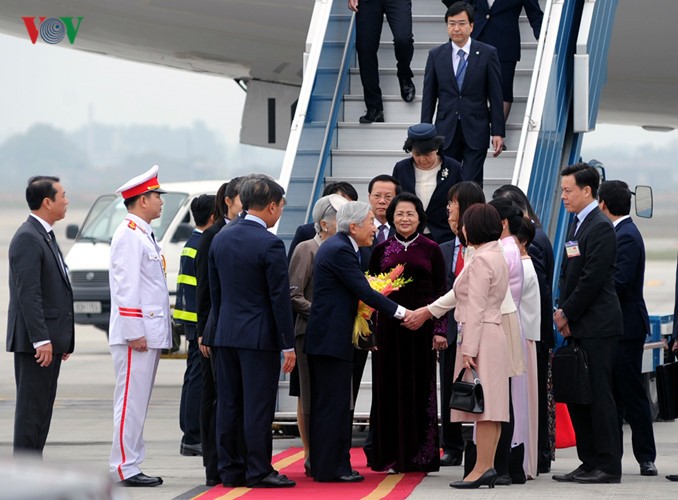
(479, 298)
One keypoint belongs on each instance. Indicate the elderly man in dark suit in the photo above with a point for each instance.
(40, 327)
(589, 311)
(338, 284)
(249, 289)
(614, 199)
(460, 79)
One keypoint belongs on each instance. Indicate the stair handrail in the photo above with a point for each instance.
(331, 126)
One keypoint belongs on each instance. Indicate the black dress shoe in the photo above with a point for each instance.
(672, 477)
(596, 477)
(212, 482)
(274, 480)
(191, 450)
(569, 477)
(372, 115)
(353, 477)
(504, 480)
(648, 469)
(448, 460)
(488, 478)
(406, 89)
(141, 480)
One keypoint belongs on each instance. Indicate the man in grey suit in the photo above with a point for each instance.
(40, 323)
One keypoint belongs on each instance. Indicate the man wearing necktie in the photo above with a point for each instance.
(40, 327)
(461, 78)
(589, 311)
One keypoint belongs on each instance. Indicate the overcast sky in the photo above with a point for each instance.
(65, 87)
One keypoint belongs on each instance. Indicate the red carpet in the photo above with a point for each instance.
(377, 485)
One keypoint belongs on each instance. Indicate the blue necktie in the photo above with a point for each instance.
(381, 237)
(461, 68)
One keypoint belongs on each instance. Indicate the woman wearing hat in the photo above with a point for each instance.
(429, 175)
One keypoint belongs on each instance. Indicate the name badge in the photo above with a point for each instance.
(572, 249)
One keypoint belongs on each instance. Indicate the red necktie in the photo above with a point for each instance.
(460, 262)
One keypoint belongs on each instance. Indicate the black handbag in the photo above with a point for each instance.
(467, 396)
(667, 390)
(570, 369)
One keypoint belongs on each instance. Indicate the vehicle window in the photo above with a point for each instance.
(101, 225)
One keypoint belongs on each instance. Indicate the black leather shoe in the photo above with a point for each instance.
(648, 469)
(406, 89)
(212, 482)
(504, 480)
(569, 477)
(274, 480)
(353, 477)
(672, 477)
(596, 477)
(141, 480)
(372, 115)
(488, 478)
(191, 450)
(448, 460)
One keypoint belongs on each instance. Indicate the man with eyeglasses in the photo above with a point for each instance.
(461, 78)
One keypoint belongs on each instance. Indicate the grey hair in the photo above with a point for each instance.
(326, 209)
(354, 212)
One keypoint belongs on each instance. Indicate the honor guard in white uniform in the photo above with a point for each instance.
(140, 323)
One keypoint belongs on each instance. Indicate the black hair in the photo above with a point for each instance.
(482, 224)
(411, 198)
(130, 202)
(465, 193)
(617, 197)
(39, 188)
(341, 187)
(459, 7)
(258, 191)
(509, 211)
(202, 207)
(220, 207)
(584, 175)
(517, 196)
(424, 147)
(384, 178)
(526, 232)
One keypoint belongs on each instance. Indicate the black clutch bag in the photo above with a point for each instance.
(571, 380)
(467, 396)
(667, 390)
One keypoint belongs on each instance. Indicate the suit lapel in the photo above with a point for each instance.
(53, 248)
(449, 65)
(473, 57)
(586, 223)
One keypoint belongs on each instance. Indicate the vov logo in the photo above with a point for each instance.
(52, 30)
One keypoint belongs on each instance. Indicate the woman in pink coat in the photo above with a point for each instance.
(481, 344)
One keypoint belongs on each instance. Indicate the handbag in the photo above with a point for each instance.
(570, 369)
(667, 390)
(467, 396)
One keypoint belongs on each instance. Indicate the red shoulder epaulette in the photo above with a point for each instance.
(132, 225)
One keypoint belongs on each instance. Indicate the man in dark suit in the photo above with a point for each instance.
(589, 311)
(369, 21)
(498, 24)
(40, 327)
(249, 289)
(338, 284)
(614, 198)
(227, 206)
(461, 77)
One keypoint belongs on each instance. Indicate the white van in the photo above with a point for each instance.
(88, 258)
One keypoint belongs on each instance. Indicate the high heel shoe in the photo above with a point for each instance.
(488, 478)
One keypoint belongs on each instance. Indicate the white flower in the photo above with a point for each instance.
(444, 173)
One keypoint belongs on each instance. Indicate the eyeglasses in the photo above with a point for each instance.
(457, 24)
(386, 197)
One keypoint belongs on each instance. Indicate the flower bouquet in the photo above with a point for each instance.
(384, 283)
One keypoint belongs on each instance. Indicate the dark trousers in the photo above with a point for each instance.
(208, 418)
(189, 405)
(369, 21)
(472, 160)
(502, 456)
(450, 437)
(36, 389)
(595, 426)
(631, 400)
(544, 455)
(330, 427)
(247, 385)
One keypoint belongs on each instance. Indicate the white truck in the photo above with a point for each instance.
(89, 256)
